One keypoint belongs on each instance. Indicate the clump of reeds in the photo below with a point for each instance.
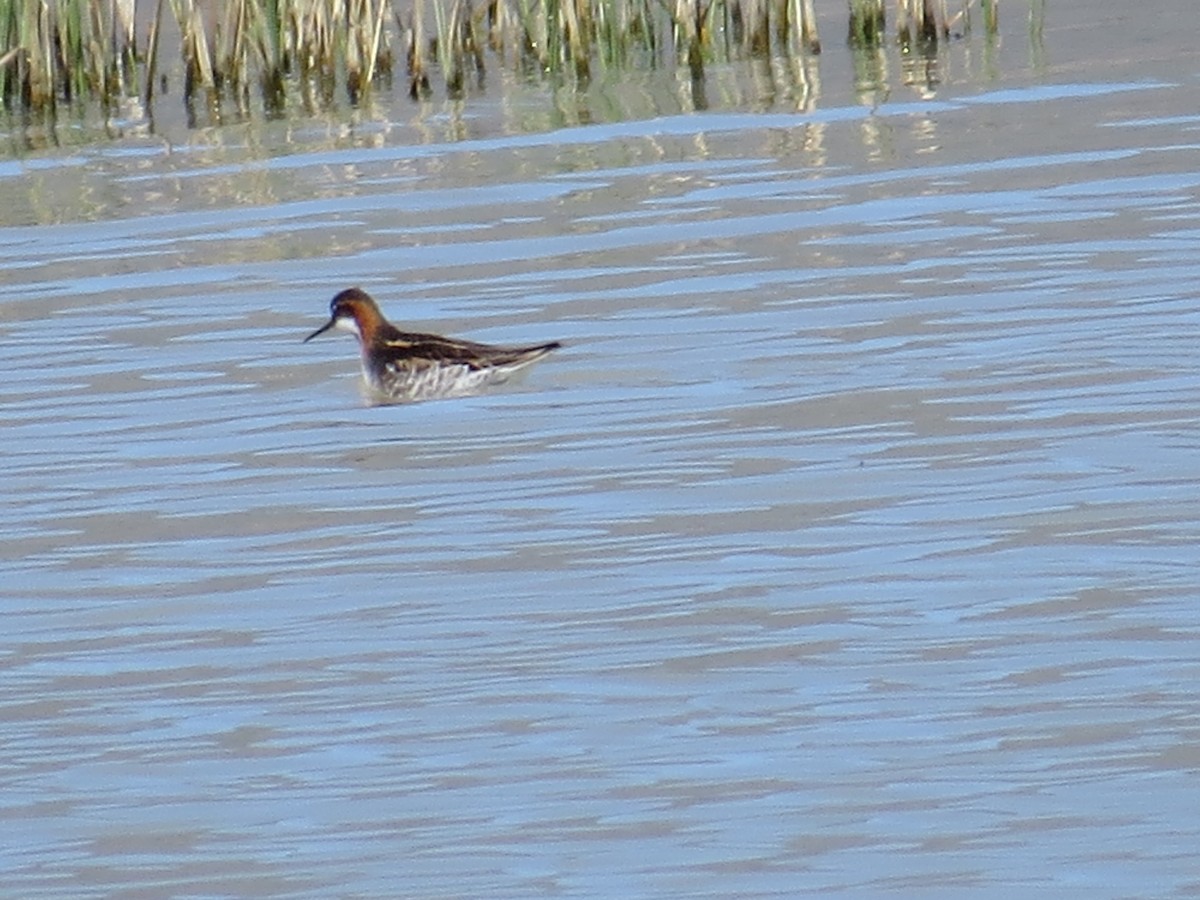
(242, 52)
(920, 21)
(64, 50)
(575, 37)
(54, 51)
(262, 43)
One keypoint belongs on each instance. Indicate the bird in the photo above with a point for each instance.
(404, 367)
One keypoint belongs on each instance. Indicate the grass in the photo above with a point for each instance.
(276, 52)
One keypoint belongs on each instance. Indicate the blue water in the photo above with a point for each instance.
(847, 549)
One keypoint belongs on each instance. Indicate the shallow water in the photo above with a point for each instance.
(848, 548)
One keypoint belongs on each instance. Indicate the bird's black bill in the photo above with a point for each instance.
(324, 328)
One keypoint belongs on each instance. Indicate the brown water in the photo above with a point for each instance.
(848, 549)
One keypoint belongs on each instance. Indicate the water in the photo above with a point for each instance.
(848, 549)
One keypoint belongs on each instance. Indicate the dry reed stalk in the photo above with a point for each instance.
(757, 19)
(361, 35)
(28, 75)
(418, 78)
(534, 32)
(806, 17)
(379, 63)
(575, 25)
(194, 50)
(152, 54)
(867, 22)
(918, 19)
(448, 59)
(690, 31)
(355, 63)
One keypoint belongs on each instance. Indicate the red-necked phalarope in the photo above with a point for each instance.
(400, 367)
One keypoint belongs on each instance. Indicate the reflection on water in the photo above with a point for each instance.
(845, 549)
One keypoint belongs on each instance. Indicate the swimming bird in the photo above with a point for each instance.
(402, 367)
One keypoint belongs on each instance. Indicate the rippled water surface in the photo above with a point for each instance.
(847, 549)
